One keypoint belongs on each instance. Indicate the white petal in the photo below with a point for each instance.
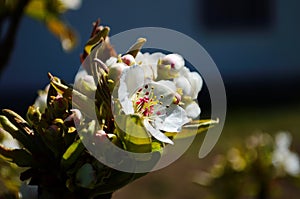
(175, 118)
(169, 84)
(184, 84)
(193, 110)
(175, 60)
(157, 133)
(41, 100)
(148, 72)
(111, 61)
(196, 84)
(154, 57)
(115, 71)
(163, 93)
(140, 57)
(149, 61)
(131, 79)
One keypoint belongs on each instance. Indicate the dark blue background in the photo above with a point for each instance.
(258, 64)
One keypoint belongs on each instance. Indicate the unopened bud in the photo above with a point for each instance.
(169, 66)
(128, 60)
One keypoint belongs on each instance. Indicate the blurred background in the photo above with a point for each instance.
(254, 43)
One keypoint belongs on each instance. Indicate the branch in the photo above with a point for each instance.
(8, 41)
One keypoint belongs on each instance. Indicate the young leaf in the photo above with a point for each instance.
(72, 154)
(18, 156)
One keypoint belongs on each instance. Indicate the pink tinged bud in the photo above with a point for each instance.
(177, 99)
(174, 60)
(75, 117)
(128, 60)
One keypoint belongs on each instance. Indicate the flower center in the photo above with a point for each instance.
(144, 101)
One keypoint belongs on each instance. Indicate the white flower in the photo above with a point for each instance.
(189, 85)
(41, 100)
(189, 82)
(149, 63)
(283, 158)
(180, 79)
(152, 102)
(85, 83)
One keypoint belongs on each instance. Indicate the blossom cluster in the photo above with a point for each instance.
(157, 88)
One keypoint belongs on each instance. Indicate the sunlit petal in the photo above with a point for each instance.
(156, 133)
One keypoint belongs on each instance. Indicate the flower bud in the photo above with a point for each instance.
(86, 84)
(76, 117)
(193, 110)
(41, 100)
(169, 66)
(33, 115)
(115, 72)
(128, 60)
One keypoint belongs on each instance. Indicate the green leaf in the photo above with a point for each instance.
(15, 132)
(116, 180)
(72, 154)
(49, 13)
(33, 140)
(62, 31)
(135, 138)
(19, 122)
(18, 156)
(193, 128)
(135, 48)
(96, 39)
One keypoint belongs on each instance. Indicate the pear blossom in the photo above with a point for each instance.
(189, 82)
(282, 157)
(169, 70)
(152, 102)
(41, 101)
(189, 85)
(86, 83)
